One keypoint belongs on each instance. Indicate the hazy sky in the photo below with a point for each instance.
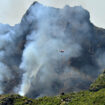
(11, 11)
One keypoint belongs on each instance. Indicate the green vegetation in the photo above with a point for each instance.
(99, 83)
(94, 96)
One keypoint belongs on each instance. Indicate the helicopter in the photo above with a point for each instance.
(62, 51)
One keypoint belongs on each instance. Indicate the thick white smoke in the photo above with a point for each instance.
(42, 54)
(49, 52)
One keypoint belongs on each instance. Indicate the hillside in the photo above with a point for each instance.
(59, 47)
(94, 96)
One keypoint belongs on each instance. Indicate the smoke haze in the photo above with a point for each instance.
(51, 51)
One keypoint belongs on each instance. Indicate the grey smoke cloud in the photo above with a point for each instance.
(15, 9)
(31, 52)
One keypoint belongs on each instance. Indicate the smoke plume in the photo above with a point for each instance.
(51, 51)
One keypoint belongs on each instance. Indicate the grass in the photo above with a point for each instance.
(99, 83)
(94, 96)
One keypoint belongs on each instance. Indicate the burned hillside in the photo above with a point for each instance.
(51, 51)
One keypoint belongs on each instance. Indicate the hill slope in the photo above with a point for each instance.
(88, 97)
(31, 52)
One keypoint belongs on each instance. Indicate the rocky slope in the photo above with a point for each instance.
(50, 51)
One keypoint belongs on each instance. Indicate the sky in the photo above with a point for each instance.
(11, 11)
